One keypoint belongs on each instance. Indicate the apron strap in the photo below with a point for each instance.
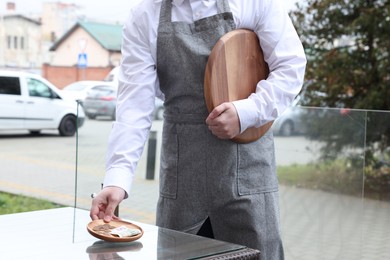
(223, 6)
(166, 11)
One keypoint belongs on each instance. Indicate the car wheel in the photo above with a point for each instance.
(68, 126)
(159, 114)
(287, 129)
(35, 132)
(91, 116)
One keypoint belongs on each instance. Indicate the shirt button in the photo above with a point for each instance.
(198, 14)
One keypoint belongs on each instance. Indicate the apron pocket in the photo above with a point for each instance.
(256, 171)
(169, 161)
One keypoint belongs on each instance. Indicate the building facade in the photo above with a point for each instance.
(21, 44)
(59, 43)
(87, 51)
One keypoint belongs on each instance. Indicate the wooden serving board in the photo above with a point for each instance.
(235, 66)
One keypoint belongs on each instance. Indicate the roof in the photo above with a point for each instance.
(109, 36)
(20, 16)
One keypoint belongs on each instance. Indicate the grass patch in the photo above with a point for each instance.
(336, 176)
(339, 176)
(11, 203)
(296, 175)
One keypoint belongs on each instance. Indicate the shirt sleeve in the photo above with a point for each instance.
(284, 54)
(137, 89)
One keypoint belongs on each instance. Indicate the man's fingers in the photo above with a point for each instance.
(105, 203)
(95, 210)
(223, 121)
(217, 111)
(109, 213)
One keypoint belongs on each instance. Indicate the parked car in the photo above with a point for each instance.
(158, 113)
(30, 102)
(78, 90)
(290, 122)
(101, 101)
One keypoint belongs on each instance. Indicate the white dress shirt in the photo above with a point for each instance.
(138, 82)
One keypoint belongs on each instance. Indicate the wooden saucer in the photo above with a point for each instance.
(114, 224)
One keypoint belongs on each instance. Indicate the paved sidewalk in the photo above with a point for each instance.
(315, 224)
(322, 225)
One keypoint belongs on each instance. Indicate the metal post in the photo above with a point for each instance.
(151, 158)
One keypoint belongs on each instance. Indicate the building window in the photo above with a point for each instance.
(15, 42)
(53, 36)
(9, 42)
(22, 43)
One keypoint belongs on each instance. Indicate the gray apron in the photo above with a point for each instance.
(201, 176)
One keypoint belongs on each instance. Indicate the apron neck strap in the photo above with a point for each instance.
(223, 6)
(166, 11)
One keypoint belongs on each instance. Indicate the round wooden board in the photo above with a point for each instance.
(115, 223)
(235, 66)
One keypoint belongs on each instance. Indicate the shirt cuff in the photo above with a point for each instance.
(118, 178)
(246, 110)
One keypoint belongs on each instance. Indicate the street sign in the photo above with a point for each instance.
(82, 60)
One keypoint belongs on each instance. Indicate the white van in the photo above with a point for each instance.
(30, 102)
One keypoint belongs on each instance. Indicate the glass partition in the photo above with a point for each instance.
(93, 139)
(334, 184)
(39, 165)
(315, 176)
(333, 166)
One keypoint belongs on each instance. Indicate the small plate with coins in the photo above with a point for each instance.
(115, 230)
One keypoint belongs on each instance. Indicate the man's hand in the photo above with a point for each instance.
(105, 203)
(223, 121)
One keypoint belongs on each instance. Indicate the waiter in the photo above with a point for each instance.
(209, 185)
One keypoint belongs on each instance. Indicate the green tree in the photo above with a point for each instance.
(347, 45)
